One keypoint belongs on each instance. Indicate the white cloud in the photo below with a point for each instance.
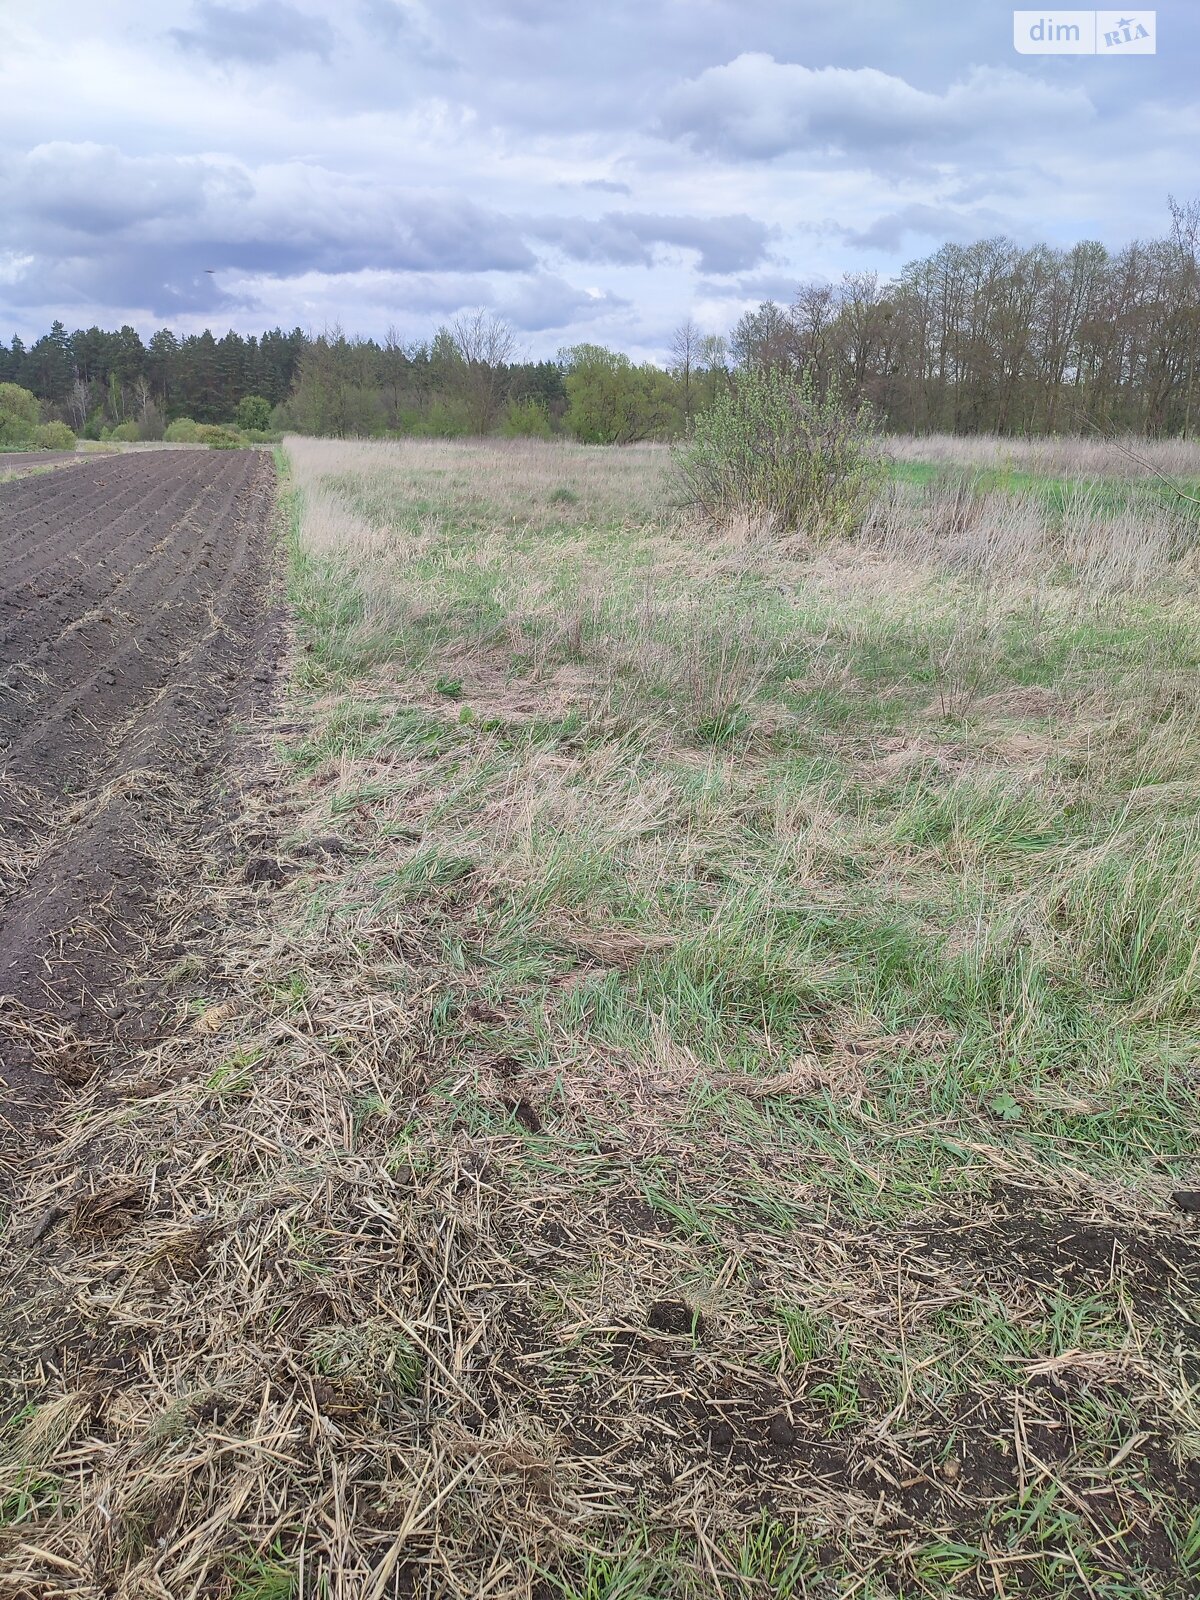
(756, 107)
(721, 244)
(544, 301)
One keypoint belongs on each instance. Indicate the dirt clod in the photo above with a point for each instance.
(262, 869)
(721, 1437)
(108, 1208)
(527, 1116)
(780, 1431)
(674, 1316)
(325, 845)
(43, 1225)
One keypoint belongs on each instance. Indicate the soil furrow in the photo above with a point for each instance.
(112, 777)
(46, 592)
(42, 516)
(89, 687)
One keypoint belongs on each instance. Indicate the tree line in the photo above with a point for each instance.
(94, 380)
(1003, 338)
(992, 336)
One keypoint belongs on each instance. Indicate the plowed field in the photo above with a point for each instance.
(134, 636)
(12, 465)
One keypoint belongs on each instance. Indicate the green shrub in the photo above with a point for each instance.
(218, 436)
(526, 419)
(54, 436)
(182, 431)
(19, 414)
(253, 413)
(124, 433)
(446, 418)
(611, 401)
(771, 447)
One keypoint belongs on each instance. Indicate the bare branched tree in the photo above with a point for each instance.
(814, 312)
(394, 368)
(486, 344)
(685, 358)
(1185, 230)
(764, 338)
(79, 403)
(714, 353)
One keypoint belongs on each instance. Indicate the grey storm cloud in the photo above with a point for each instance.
(630, 238)
(257, 34)
(145, 229)
(778, 286)
(164, 280)
(92, 224)
(94, 189)
(755, 107)
(544, 301)
(889, 231)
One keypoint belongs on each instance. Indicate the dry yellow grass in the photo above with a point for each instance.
(1059, 456)
(511, 482)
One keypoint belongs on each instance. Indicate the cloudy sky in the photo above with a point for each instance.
(589, 172)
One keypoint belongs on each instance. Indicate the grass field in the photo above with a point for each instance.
(800, 952)
(1057, 455)
(702, 1114)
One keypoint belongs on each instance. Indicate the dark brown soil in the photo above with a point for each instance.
(1023, 1242)
(136, 634)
